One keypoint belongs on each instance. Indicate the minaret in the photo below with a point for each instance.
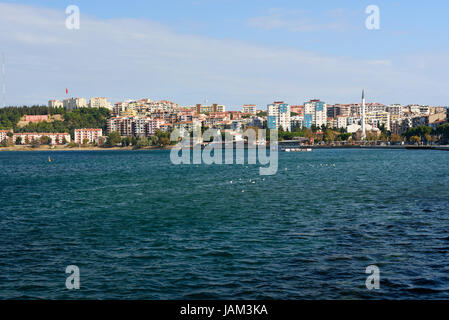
(363, 116)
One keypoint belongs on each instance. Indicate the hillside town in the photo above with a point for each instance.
(319, 121)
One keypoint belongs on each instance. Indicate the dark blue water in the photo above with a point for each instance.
(139, 227)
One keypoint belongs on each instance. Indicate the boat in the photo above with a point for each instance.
(297, 150)
(49, 159)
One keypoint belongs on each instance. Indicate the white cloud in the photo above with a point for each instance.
(300, 21)
(129, 58)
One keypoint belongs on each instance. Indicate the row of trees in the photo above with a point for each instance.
(10, 116)
(428, 135)
(160, 139)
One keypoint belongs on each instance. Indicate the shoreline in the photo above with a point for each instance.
(59, 149)
(285, 145)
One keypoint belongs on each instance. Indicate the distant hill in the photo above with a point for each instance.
(60, 120)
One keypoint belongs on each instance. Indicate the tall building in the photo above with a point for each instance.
(99, 102)
(55, 104)
(74, 103)
(279, 116)
(315, 113)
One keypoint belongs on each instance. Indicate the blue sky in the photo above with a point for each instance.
(232, 52)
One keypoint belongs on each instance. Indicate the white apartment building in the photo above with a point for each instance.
(340, 122)
(279, 115)
(395, 109)
(187, 126)
(297, 122)
(56, 138)
(249, 108)
(92, 135)
(4, 135)
(153, 125)
(55, 104)
(99, 102)
(377, 119)
(74, 103)
(315, 113)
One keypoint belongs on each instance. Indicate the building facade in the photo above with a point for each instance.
(29, 137)
(74, 103)
(315, 113)
(279, 115)
(99, 102)
(91, 135)
(55, 104)
(249, 108)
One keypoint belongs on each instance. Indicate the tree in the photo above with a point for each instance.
(154, 140)
(126, 141)
(35, 143)
(142, 142)
(164, 141)
(396, 138)
(344, 136)
(415, 139)
(19, 140)
(329, 135)
(85, 141)
(45, 140)
(114, 138)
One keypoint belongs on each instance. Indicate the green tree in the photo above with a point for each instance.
(45, 140)
(114, 138)
(142, 142)
(415, 139)
(35, 143)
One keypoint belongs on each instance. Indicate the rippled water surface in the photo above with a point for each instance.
(139, 227)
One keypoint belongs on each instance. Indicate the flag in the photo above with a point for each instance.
(66, 91)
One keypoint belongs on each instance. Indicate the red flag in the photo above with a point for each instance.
(66, 91)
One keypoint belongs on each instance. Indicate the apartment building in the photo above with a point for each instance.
(249, 108)
(99, 102)
(74, 103)
(56, 138)
(4, 135)
(279, 115)
(208, 109)
(378, 118)
(55, 104)
(315, 113)
(395, 109)
(92, 135)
